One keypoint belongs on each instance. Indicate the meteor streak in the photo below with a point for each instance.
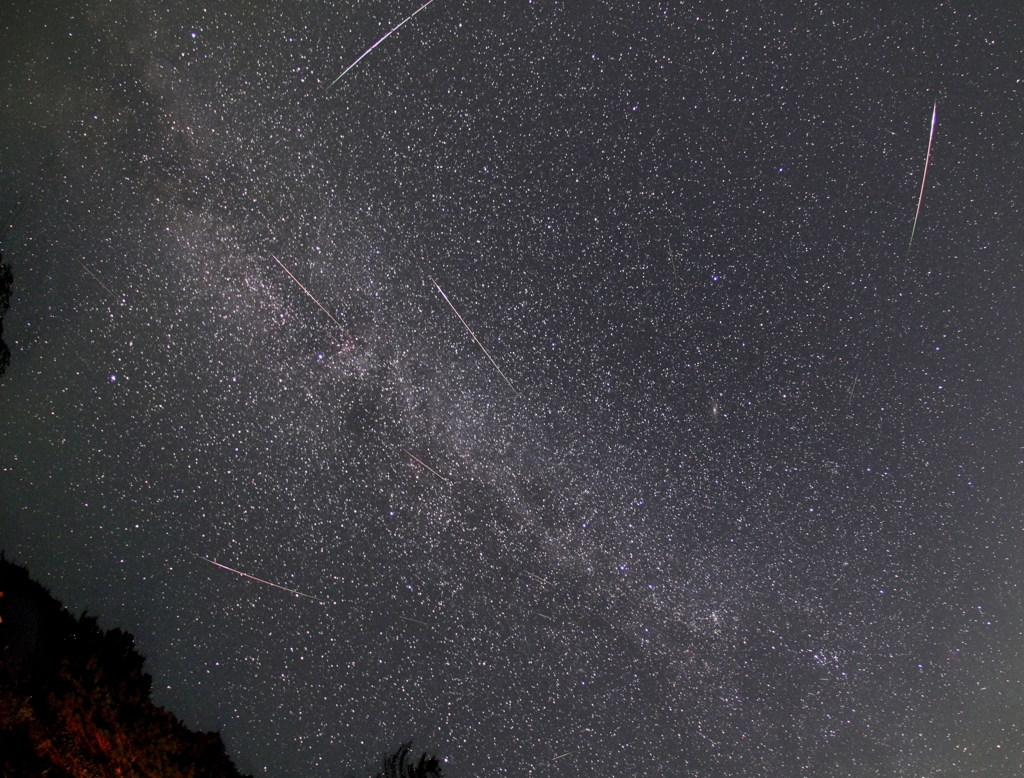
(432, 470)
(260, 580)
(96, 278)
(475, 339)
(391, 32)
(414, 621)
(304, 289)
(561, 756)
(927, 158)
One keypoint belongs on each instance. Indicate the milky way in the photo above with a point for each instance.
(742, 498)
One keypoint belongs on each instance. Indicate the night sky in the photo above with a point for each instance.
(750, 501)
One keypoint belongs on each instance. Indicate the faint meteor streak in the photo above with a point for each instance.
(414, 621)
(96, 278)
(561, 756)
(927, 158)
(391, 32)
(304, 289)
(538, 578)
(475, 339)
(260, 580)
(432, 470)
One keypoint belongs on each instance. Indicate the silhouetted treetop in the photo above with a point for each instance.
(399, 765)
(74, 701)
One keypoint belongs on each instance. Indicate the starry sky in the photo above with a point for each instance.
(749, 501)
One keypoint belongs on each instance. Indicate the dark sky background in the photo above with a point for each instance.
(753, 507)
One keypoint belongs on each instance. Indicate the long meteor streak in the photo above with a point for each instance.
(260, 580)
(391, 32)
(475, 339)
(432, 470)
(924, 178)
(304, 289)
(96, 278)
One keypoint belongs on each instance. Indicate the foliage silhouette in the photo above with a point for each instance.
(74, 701)
(6, 279)
(398, 765)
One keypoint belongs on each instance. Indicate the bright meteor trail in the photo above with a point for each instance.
(388, 35)
(260, 580)
(475, 339)
(304, 289)
(927, 158)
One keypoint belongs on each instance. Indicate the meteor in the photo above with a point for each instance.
(308, 294)
(927, 158)
(260, 580)
(474, 337)
(96, 278)
(432, 470)
(538, 578)
(388, 35)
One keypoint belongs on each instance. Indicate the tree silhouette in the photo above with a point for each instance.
(6, 280)
(74, 701)
(398, 765)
